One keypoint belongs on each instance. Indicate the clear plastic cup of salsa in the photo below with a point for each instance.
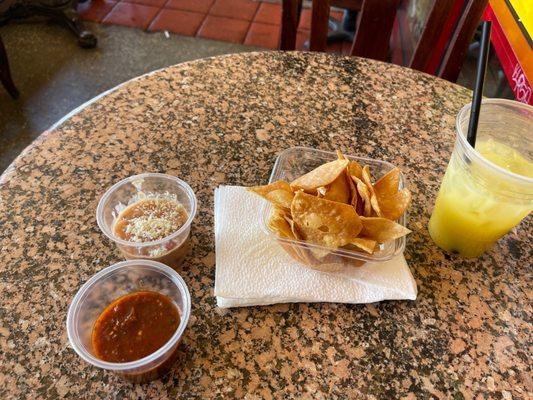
(108, 285)
(170, 250)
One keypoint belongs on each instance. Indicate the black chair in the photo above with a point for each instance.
(5, 73)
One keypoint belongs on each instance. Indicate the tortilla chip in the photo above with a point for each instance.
(325, 222)
(320, 176)
(278, 193)
(367, 179)
(353, 192)
(298, 252)
(392, 207)
(338, 190)
(366, 245)
(364, 193)
(321, 191)
(388, 184)
(355, 169)
(382, 229)
(279, 224)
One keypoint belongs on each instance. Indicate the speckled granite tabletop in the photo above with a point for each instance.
(222, 121)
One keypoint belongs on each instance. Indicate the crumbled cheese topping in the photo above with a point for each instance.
(150, 219)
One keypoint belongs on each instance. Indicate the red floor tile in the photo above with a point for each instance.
(200, 6)
(95, 10)
(269, 13)
(224, 29)
(263, 35)
(153, 3)
(238, 9)
(134, 15)
(305, 18)
(177, 21)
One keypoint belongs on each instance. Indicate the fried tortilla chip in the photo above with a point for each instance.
(382, 229)
(353, 192)
(392, 207)
(366, 245)
(320, 176)
(388, 184)
(279, 224)
(364, 194)
(355, 169)
(278, 193)
(367, 179)
(325, 222)
(338, 190)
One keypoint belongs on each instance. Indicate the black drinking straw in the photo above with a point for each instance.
(478, 88)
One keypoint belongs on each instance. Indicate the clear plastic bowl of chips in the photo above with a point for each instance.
(297, 161)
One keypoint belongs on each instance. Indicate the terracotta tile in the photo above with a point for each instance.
(305, 19)
(153, 3)
(301, 37)
(238, 9)
(135, 15)
(263, 35)
(200, 6)
(224, 29)
(177, 21)
(95, 10)
(268, 13)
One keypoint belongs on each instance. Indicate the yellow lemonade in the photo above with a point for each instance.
(472, 210)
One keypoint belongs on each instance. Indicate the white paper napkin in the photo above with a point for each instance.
(252, 269)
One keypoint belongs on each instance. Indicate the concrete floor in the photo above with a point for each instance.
(55, 76)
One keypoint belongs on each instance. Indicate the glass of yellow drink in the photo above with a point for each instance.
(488, 190)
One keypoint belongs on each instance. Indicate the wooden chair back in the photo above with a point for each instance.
(375, 24)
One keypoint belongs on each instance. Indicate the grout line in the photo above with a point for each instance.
(251, 22)
(109, 12)
(157, 15)
(200, 26)
(205, 18)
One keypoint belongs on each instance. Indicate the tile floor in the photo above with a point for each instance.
(247, 22)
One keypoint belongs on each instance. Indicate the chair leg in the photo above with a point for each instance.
(5, 73)
(86, 38)
(290, 18)
(374, 28)
(319, 25)
(65, 13)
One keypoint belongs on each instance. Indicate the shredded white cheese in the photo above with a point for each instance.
(150, 219)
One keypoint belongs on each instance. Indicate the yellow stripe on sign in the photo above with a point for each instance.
(524, 10)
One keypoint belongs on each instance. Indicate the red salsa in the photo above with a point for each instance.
(134, 326)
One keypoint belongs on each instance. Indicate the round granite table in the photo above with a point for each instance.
(223, 121)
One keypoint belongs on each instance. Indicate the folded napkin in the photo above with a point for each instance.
(253, 269)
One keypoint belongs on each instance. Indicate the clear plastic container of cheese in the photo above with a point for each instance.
(170, 250)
